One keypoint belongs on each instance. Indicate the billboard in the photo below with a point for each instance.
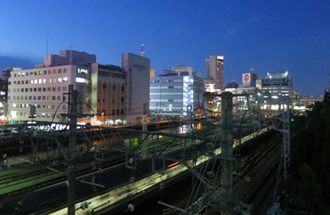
(249, 79)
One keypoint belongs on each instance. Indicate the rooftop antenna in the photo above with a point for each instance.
(47, 43)
(142, 52)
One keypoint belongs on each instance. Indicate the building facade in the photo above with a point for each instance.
(183, 68)
(44, 87)
(107, 90)
(174, 94)
(214, 70)
(277, 84)
(138, 85)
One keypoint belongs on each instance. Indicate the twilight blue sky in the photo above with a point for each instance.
(274, 36)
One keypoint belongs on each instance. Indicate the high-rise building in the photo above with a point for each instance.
(214, 70)
(138, 85)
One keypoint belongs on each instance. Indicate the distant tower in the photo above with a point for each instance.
(214, 70)
(142, 52)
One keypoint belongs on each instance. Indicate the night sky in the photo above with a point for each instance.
(268, 36)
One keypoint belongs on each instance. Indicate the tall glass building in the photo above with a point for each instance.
(174, 94)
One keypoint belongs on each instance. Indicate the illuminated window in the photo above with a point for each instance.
(59, 80)
(35, 81)
(65, 79)
(54, 80)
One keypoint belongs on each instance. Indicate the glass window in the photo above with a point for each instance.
(54, 80)
(26, 89)
(63, 107)
(8, 97)
(31, 82)
(122, 88)
(26, 82)
(49, 72)
(65, 79)
(59, 80)
(53, 106)
(59, 88)
(35, 73)
(49, 97)
(30, 97)
(34, 89)
(49, 80)
(36, 81)
(54, 71)
(59, 71)
(54, 88)
(14, 90)
(14, 97)
(58, 97)
(44, 81)
(31, 73)
(44, 89)
(39, 89)
(22, 89)
(17, 97)
(40, 81)
(64, 70)
(18, 82)
(49, 89)
(14, 82)
(64, 88)
(53, 97)
(122, 99)
(38, 106)
(34, 98)
(114, 87)
(30, 89)
(43, 97)
(43, 106)
(39, 97)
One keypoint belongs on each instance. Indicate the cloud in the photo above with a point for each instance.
(23, 62)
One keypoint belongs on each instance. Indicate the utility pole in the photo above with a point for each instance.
(73, 104)
(227, 148)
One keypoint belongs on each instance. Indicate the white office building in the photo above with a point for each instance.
(44, 85)
(173, 94)
(277, 84)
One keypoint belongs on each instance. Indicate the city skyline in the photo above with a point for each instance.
(265, 36)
